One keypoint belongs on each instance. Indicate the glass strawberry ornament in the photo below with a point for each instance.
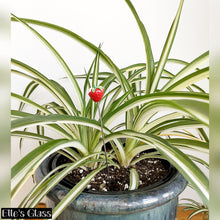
(96, 93)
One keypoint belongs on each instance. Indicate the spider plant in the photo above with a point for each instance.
(196, 208)
(161, 110)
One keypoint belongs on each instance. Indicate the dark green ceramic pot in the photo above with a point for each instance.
(157, 202)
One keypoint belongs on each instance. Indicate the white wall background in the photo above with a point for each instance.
(107, 22)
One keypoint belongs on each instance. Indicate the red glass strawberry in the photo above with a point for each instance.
(96, 93)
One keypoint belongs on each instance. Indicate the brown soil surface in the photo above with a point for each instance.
(150, 171)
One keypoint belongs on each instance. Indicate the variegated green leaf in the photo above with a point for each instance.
(147, 45)
(189, 80)
(166, 49)
(53, 181)
(28, 91)
(59, 59)
(73, 193)
(199, 61)
(57, 91)
(134, 179)
(194, 104)
(22, 170)
(125, 85)
(176, 157)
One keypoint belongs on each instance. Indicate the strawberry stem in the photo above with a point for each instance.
(103, 141)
